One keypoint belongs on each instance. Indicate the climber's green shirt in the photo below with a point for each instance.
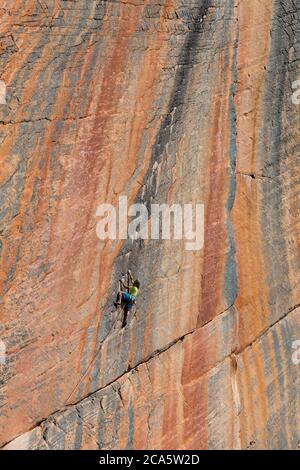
(133, 291)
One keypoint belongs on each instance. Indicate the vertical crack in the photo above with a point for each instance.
(230, 272)
(236, 434)
(231, 289)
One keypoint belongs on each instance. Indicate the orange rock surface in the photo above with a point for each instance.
(165, 102)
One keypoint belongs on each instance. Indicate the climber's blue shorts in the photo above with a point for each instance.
(128, 299)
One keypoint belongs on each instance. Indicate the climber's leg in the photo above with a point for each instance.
(128, 304)
(125, 317)
(117, 303)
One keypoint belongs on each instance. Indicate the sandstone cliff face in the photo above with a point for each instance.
(171, 101)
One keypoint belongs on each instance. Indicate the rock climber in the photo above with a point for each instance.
(127, 295)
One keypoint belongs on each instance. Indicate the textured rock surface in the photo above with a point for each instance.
(172, 101)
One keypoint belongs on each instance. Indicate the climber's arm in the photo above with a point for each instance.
(124, 285)
(130, 279)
